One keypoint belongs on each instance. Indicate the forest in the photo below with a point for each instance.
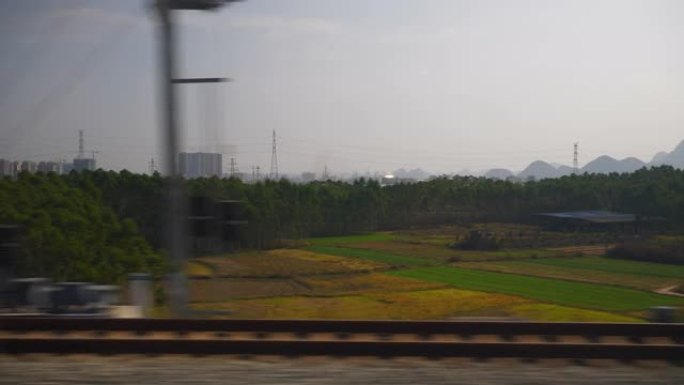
(102, 225)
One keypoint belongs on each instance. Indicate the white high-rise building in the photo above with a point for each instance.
(50, 167)
(8, 168)
(200, 164)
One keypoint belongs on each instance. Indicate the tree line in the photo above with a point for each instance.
(82, 222)
(280, 209)
(67, 233)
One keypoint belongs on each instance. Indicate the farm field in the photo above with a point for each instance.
(639, 275)
(424, 244)
(422, 304)
(221, 289)
(444, 254)
(585, 295)
(617, 266)
(350, 239)
(371, 255)
(413, 274)
(285, 263)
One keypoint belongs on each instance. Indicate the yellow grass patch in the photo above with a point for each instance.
(198, 269)
(556, 313)
(423, 304)
(286, 263)
(351, 264)
(364, 283)
(595, 250)
(409, 249)
(426, 304)
(222, 289)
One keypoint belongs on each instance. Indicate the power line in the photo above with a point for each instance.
(28, 62)
(69, 83)
(274, 159)
(575, 165)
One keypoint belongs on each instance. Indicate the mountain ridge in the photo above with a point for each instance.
(603, 164)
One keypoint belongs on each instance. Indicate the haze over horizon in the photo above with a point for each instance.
(356, 85)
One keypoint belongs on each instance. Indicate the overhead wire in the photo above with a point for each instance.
(30, 60)
(70, 82)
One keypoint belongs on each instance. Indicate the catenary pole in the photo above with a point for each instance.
(176, 235)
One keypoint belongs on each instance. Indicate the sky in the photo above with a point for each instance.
(354, 85)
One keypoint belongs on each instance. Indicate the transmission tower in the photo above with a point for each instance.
(232, 167)
(80, 145)
(274, 159)
(152, 166)
(575, 167)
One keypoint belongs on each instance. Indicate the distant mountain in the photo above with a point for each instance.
(605, 164)
(539, 170)
(674, 158)
(499, 173)
(658, 158)
(631, 164)
(602, 165)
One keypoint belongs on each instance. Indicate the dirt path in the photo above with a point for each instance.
(584, 250)
(670, 290)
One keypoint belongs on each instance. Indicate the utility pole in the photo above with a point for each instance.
(575, 166)
(274, 159)
(176, 230)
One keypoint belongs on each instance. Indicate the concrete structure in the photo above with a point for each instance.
(8, 168)
(28, 166)
(67, 168)
(81, 164)
(50, 167)
(200, 164)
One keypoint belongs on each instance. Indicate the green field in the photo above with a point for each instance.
(617, 266)
(578, 294)
(590, 269)
(371, 255)
(413, 274)
(350, 239)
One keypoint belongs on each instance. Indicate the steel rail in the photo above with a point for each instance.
(339, 348)
(350, 326)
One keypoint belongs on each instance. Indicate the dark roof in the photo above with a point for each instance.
(593, 216)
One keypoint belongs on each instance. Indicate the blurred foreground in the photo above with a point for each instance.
(43, 369)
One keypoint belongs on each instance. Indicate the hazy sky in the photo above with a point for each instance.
(357, 85)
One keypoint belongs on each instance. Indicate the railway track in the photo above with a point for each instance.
(343, 338)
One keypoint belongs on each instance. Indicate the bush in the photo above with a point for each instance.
(649, 252)
(478, 240)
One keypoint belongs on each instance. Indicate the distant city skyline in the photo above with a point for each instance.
(354, 86)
